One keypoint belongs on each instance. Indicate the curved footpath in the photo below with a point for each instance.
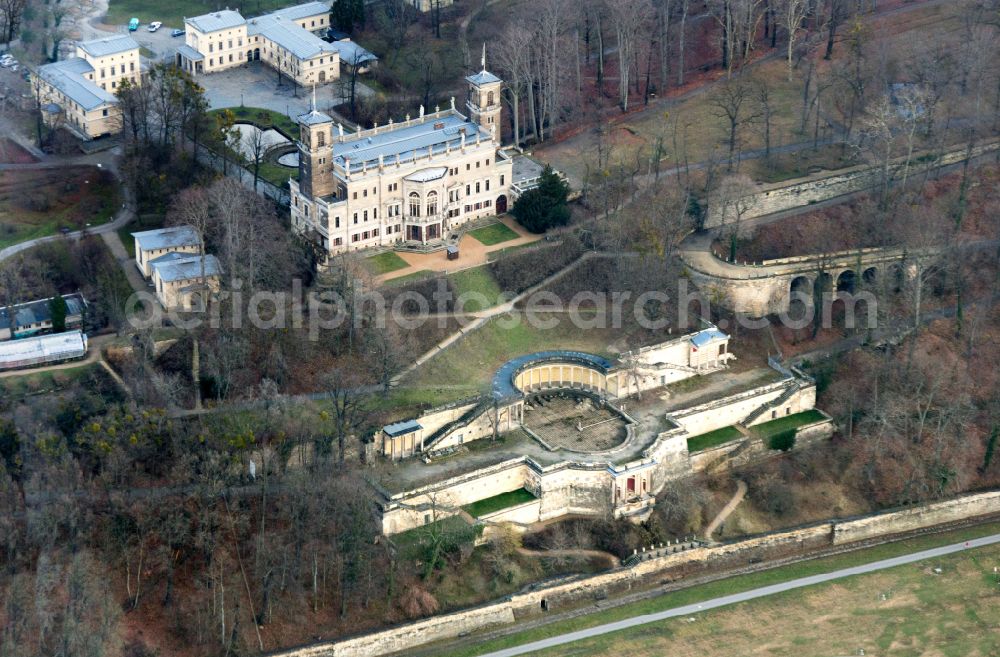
(102, 160)
(741, 490)
(764, 591)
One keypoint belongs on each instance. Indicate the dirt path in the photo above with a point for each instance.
(741, 491)
(472, 253)
(127, 262)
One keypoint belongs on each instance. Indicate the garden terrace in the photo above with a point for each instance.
(789, 422)
(713, 438)
(499, 502)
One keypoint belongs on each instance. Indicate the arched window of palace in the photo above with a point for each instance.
(432, 204)
(414, 204)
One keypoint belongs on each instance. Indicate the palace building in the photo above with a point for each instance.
(411, 181)
(79, 92)
(284, 40)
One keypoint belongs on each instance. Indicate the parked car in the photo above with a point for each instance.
(154, 26)
(14, 68)
(177, 33)
(133, 25)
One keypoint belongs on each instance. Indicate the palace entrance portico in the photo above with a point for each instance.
(423, 234)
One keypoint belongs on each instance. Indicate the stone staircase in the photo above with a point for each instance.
(777, 401)
(458, 423)
(731, 458)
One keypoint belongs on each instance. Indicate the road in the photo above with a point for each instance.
(753, 594)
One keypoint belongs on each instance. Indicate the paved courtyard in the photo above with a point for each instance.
(472, 252)
(574, 422)
(256, 85)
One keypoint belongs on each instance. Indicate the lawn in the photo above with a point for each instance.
(411, 542)
(713, 438)
(31, 383)
(264, 118)
(466, 367)
(494, 234)
(172, 13)
(275, 173)
(38, 203)
(476, 288)
(383, 263)
(410, 278)
(908, 610)
(794, 421)
(498, 502)
(499, 253)
(965, 575)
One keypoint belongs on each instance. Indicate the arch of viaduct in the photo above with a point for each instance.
(768, 287)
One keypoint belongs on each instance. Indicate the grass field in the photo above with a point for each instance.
(713, 438)
(31, 383)
(466, 367)
(493, 234)
(264, 118)
(384, 263)
(410, 278)
(43, 202)
(497, 502)
(479, 287)
(923, 614)
(172, 13)
(774, 427)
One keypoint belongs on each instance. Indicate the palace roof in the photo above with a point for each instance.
(187, 269)
(483, 77)
(67, 77)
(305, 10)
(108, 45)
(289, 35)
(167, 238)
(407, 141)
(217, 20)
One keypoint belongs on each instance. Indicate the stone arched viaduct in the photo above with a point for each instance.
(766, 288)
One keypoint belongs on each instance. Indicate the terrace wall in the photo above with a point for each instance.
(657, 565)
(825, 186)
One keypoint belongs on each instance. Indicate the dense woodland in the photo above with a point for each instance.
(132, 525)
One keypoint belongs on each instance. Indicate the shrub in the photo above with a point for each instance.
(545, 206)
(783, 441)
(425, 289)
(519, 270)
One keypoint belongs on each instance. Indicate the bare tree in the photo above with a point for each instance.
(254, 147)
(628, 17)
(793, 13)
(732, 102)
(733, 199)
(11, 13)
(513, 57)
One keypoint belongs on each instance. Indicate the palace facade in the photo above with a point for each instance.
(411, 181)
(80, 92)
(285, 40)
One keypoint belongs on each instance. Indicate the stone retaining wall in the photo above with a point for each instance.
(916, 518)
(663, 564)
(825, 186)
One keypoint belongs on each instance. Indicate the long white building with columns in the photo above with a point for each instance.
(411, 181)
